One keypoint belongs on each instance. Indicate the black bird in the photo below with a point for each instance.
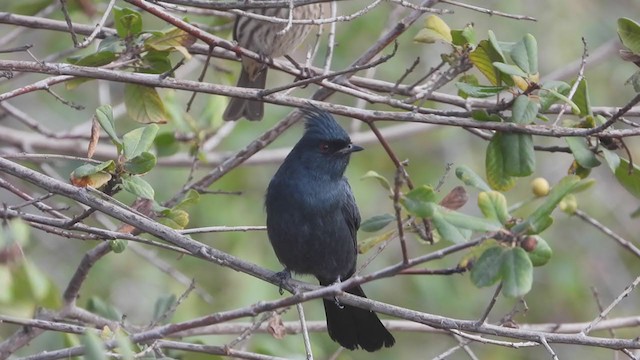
(312, 220)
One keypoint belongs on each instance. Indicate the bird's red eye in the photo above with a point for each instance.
(324, 147)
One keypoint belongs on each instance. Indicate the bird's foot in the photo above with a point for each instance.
(335, 299)
(305, 72)
(282, 278)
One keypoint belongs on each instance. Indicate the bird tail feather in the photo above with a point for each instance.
(353, 327)
(251, 109)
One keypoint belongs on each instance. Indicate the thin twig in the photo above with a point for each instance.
(598, 225)
(494, 298)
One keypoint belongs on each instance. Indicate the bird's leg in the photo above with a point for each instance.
(304, 71)
(335, 299)
(282, 278)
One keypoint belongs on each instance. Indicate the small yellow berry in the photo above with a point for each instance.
(540, 187)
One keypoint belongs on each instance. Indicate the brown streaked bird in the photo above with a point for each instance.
(263, 37)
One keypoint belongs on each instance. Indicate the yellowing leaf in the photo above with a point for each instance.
(144, 104)
(434, 29)
(172, 40)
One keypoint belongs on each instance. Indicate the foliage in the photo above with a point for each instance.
(163, 154)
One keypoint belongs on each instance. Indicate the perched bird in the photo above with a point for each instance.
(263, 37)
(312, 220)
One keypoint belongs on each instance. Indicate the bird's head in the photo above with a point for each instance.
(325, 146)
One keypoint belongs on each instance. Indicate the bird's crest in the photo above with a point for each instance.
(320, 124)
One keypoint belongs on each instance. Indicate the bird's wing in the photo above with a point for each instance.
(350, 211)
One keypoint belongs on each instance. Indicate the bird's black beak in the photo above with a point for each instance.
(350, 149)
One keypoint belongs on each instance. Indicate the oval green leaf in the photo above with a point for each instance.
(376, 223)
(486, 271)
(524, 111)
(470, 178)
(541, 254)
(139, 140)
(497, 176)
(519, 157)
(629, 32)
(140, 164)
(517, 273)
(137, 186)
(494, 206)
(144, 104)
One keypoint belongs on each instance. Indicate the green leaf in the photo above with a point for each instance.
(173, 39)
(434, 29)
(634, 80)
(581, 98)
(141, 164)
(138, 141)
(93, 346)
(524, 110)
(92, 60)
(483, 58)
(494, 206)
(466, 36)
(495, 46)
(104, 115)
(191, 198)
(381, 179)
(509, 69)
(420, 201)
(517, 273)
(554, 91)
(524, 54)
(162, 306)
(144, 104)
(541, 254)
(128, 22)
(470, 178)
(581, 152)
(494, 163)
(465, 221)
(483, 115)
(469, 79)
(369, 243)
(448, 231)
(479, 91)
(111, 43)
(628, 177)
(98, 306)
(518, 154)
(175, 218)
(137, 186)
(166, 144)
(156, 62)
(556, 95)
(629, 32)
(376, 223)
(487, 270)
(38, 282)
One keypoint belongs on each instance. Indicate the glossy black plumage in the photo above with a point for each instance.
(312, 220)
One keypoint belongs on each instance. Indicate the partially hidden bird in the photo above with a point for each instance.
(270, 40)
(312, 220)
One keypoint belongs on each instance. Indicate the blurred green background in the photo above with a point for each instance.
(583, 257)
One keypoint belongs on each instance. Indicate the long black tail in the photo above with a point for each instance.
(251, 109)
(353, 327)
